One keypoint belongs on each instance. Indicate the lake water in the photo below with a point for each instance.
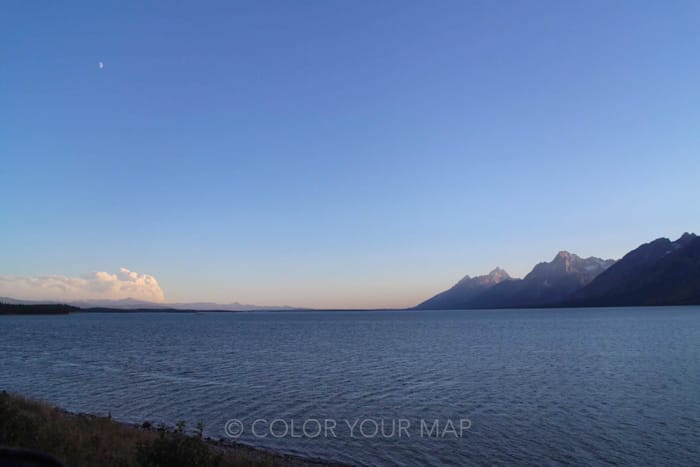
(597, 386)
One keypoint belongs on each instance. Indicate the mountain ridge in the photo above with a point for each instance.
(547, 282)
(467, 287)
(660, 272)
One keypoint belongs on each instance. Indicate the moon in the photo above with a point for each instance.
(100, 65)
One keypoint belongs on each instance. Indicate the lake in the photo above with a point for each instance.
(575, 386)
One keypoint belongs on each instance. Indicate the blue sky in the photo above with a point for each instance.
(346, 153)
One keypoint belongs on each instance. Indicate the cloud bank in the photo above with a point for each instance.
(100, 285)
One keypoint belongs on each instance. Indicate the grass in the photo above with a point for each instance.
(87, 440)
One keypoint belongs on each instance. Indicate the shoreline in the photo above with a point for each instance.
(55, 309)
(63, 434)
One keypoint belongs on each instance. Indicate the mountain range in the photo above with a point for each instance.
(661, 272)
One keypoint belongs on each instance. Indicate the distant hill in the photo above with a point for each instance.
(661, 272)
(34, 309)
(142, 305)
(547, 283)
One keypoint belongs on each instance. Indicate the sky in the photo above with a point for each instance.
(336, 154)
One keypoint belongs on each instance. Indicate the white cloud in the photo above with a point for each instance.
(100, 285)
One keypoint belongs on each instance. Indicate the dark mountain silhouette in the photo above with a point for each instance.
(661, 272)
(547, 283)
(464, 291)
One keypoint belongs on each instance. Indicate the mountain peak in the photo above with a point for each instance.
(469, 287)
(685, 238)
(465, 279)
(565, 263)
(494, 277)
(499, 274)
(563, 254)
(564, 260)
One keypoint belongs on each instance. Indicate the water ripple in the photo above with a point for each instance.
(540, 387)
